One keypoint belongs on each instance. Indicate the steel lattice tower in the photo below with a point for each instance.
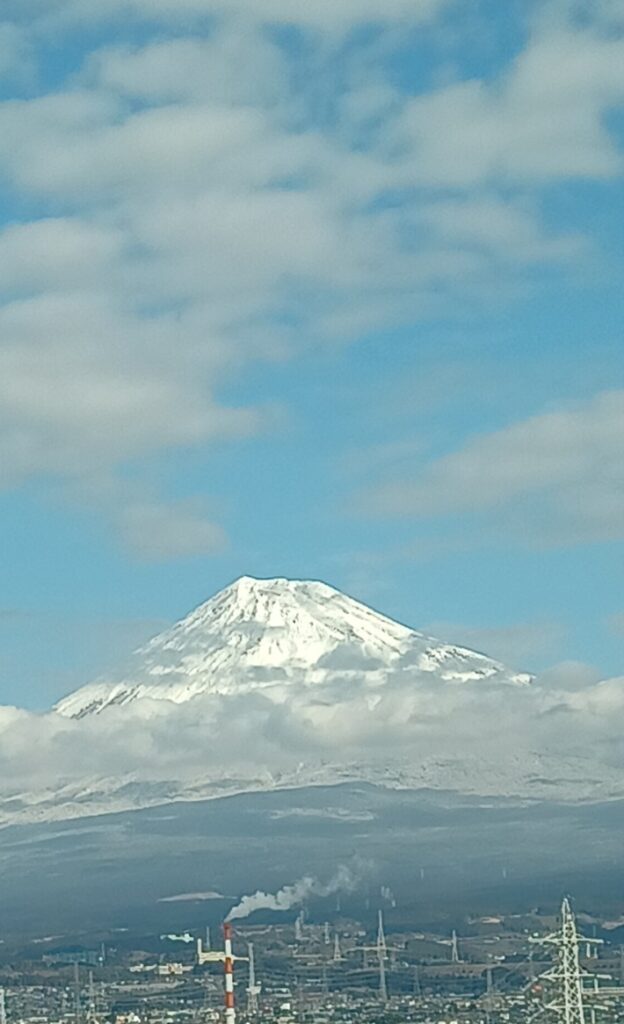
(91, 1005)
(381, 935)
(382, 953)
(566, 974)
(253, 989)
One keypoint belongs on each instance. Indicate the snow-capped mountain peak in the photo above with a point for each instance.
(277, 683)
(264, 633)
(285, 622)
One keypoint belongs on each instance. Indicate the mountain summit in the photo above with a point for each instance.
(263, 633)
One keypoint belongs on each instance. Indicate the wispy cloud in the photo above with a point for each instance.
(317, 14)
(556, 478)
(520, 644)
(615, 622)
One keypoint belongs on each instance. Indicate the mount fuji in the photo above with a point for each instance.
(277, 684)
(263, 634)
(280, 727)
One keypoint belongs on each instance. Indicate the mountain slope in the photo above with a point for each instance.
(259, 634)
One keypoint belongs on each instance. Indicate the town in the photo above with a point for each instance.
(489, 970)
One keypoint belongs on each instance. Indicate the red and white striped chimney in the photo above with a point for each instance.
(228, 967)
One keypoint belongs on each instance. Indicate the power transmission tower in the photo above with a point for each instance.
(454, 948)
(300, 997)
(488, 994)
(531, 967)
(77, 1006)
(91, 1003)
(253, 989)
(325, 980)
(381, 937)
(382, 953)
(566, 974)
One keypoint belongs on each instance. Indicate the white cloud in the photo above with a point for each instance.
(569, 676)
(16, 54)
(520, 644)
(85, 388)
(545, 120)
(231, 66)
(556, 477)
(84, 254)
(606, 14)
(500, 735)
(316, 14)
(602, 701)
(156, 530)
(508, 231)
(80, 382)
(185, 201)
(616, 622)
(91, 150)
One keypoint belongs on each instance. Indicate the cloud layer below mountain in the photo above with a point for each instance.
(259, 739)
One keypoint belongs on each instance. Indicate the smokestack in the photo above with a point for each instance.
(228, 968)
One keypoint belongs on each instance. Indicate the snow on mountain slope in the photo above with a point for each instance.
(264, 634)
(525, 777)
(285, 684)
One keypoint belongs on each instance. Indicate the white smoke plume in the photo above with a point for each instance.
(345, 880)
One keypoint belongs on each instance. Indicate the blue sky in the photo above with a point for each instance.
(323, 290)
